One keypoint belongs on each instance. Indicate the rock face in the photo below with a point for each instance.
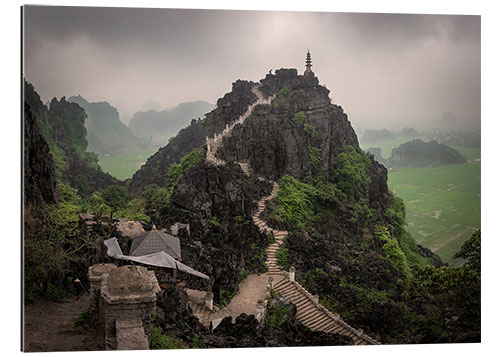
(278, 138)
(417, 153)
(218, 202)
(40, 183)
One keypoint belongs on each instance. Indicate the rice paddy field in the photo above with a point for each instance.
(123, 166)
(443, 204)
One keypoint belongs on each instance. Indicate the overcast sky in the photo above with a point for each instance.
(382, 68)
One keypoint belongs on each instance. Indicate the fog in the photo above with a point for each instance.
(385, 70)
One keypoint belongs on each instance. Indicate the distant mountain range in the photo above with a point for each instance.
(106, 133)
(159, 126)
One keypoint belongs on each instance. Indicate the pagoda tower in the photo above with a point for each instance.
(308, 64)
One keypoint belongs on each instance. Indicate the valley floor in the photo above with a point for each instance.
(123, 166)
(443, 204)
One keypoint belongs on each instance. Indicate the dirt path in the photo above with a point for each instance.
(252, 289)
(49, 326)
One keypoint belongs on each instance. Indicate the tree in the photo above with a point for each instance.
(115, 197)
(471, 251)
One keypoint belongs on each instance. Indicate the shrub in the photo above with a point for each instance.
(160, 341)
(393, 252)
(299, 118)
(83, 320)
(350, 172)
(275, 315)
(295, 201)
(175, 171)
(283, 258)
(309, 129)
(283, 93)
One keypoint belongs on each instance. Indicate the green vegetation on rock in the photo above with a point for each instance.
(160, 341)
(275, 315)
(299, 118)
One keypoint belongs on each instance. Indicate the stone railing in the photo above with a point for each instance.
(122, 301)
(315, 301)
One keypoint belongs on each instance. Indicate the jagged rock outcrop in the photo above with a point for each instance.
(278, 138)
(40, 183)
(223, 242)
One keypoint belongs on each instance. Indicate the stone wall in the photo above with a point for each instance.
(122, 301)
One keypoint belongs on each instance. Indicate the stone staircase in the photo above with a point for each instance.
(214, 143)
(312, 314)
(309, 311)
(271, 262)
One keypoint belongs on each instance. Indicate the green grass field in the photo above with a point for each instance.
(443, 204)
(123, 166)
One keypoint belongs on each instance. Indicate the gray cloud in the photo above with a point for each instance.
(382, 68)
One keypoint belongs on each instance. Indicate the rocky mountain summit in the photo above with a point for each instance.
(278, 138)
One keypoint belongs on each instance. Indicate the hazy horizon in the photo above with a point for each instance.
(383, 69)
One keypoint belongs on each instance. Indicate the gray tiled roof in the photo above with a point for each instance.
(156, 241)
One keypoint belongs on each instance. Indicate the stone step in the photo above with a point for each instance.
(335, 329)
(312, 322)
(289, 289)
(321, 321)
(305, 311)
(300, 301)
(312, 318)
(282, 283)
(295, 296)
(327, 324)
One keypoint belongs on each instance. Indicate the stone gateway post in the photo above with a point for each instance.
(127, 298)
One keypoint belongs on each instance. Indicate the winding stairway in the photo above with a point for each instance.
(309, 311)
(214, 143)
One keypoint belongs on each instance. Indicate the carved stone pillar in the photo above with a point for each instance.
(129, 295)
(291, 274)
